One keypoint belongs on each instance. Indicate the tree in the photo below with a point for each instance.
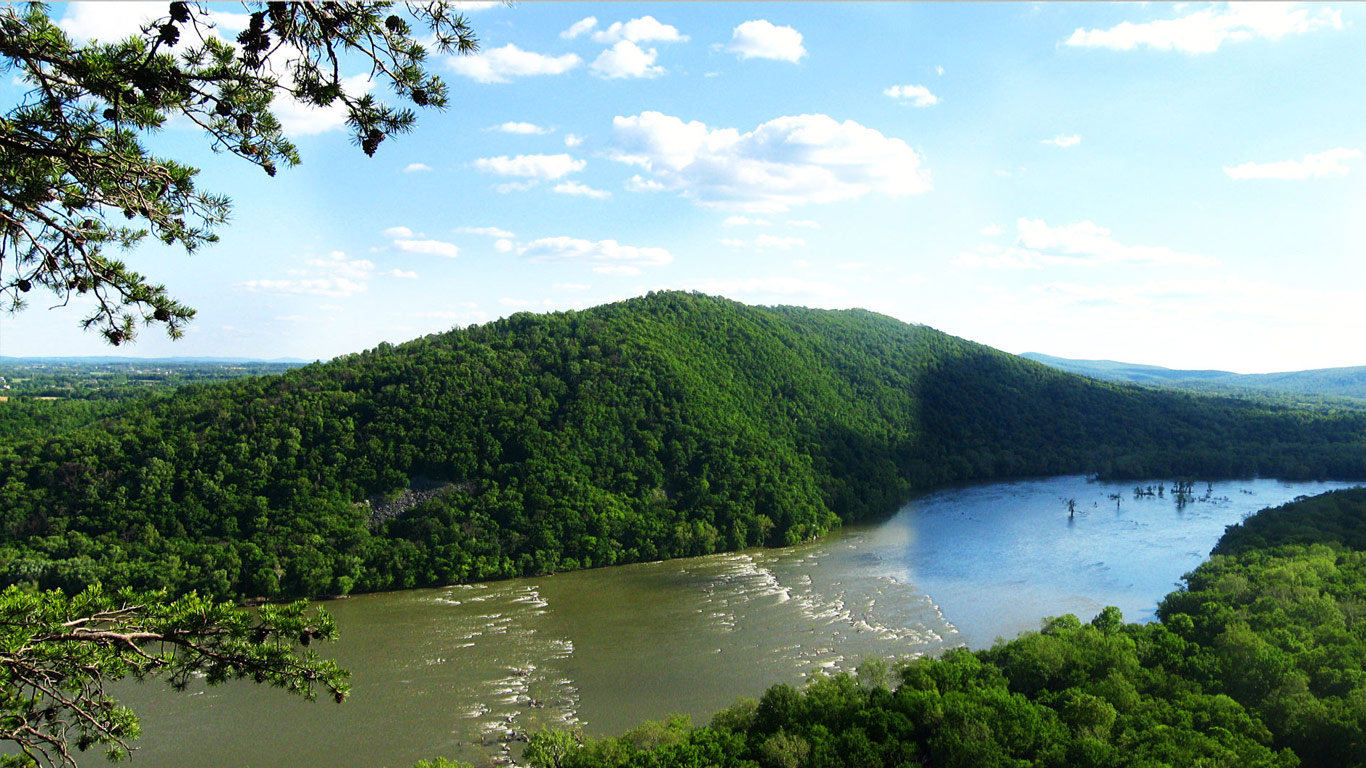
(76, 179)
(58, 654)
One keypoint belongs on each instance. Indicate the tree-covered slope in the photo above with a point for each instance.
(669, 425)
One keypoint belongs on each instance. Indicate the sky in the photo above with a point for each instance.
(1172, 184)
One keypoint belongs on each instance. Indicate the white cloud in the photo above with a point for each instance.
(406, 275)
(515, 186)
(428, 247)
(404, 240)
(108, 22)
(575, 188)
(760, 39)
(333, 275)
(601, 253)
(1081, 243)
(732, 242)
(571, 141)
(786, 287)
(991, 230)
(503, 246)
(917, 95)
(642, 30)
(486, 231)
(526, 129)
(579, 27)
(775, 241)
(784, 162)
(417, 168)
(1204, 30)
(499, 65)
(626, 59)
(1330, 163)
(939, 70)
(740, 221)
(1063, 141)
(530, 166)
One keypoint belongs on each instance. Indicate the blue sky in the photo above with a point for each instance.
(1179, 185)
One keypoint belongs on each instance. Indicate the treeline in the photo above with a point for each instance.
(1258, 660)
(670, 425)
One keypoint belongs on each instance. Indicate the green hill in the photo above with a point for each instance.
(668, 425)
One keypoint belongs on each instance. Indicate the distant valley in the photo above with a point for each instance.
(1348, 384)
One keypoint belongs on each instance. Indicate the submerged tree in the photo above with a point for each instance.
(58, 655)
(76, 179)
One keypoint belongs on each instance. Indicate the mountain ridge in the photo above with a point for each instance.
(669, 425)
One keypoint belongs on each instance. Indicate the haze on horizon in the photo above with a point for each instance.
(1176, 185)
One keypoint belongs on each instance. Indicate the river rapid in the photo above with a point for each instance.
(466, 671)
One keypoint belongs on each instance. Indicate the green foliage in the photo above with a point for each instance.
(76, 179)
(666, 426)
(58, 654)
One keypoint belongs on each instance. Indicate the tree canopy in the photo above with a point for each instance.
(59, 654)
(77, 179)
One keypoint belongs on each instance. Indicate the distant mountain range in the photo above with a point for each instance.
(110, 359)
(1322, 382)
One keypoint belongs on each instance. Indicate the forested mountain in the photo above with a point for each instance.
(669, 425)
(1348, 383)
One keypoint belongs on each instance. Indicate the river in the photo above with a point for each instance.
(455, 672)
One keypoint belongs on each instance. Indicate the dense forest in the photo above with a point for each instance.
(669, 425)
(1257, 660)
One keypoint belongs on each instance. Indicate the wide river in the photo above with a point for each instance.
(456, 672)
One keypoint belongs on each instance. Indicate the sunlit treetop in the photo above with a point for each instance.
(77, 178)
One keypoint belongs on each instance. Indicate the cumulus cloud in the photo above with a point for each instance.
(404, 274)
(525, 129)
(583, 190)
(1063, 141)
(333, 275)
(504, 246)
(626, 59)
(784, 162)
(761, 39)
(403, 239)
(579, 27)
(500, 65)
(1082, 243)
(486, 231)
(417, 168)
(1330, 163)
(605, 256)
(428, 247)
(642, 30)
(530, 166)
(1206, 29)
(915, 95)
(571, 141)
